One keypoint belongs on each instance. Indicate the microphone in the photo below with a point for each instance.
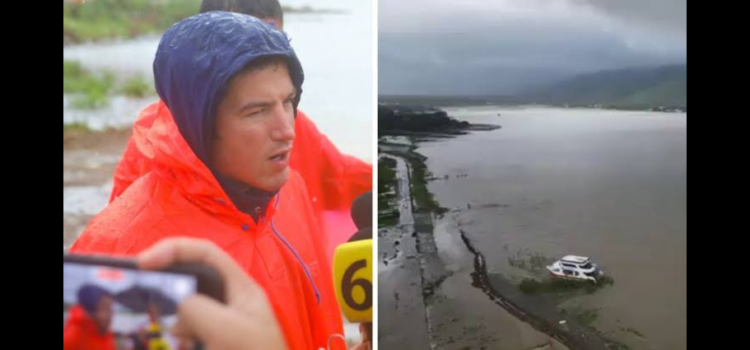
(352, 267)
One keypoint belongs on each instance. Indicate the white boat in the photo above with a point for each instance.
(575, 267)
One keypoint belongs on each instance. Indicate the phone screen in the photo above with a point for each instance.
(120, 308)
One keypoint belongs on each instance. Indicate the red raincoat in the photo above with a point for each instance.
(175, 194)
(333, 179)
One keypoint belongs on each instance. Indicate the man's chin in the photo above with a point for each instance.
(278, 181)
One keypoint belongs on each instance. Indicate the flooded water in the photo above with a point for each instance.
(606, 184)
(426, 297)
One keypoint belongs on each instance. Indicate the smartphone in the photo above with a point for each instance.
(109, 303)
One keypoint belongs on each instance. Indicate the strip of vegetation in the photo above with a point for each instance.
(92, 90)
(424, 200)
(388, 214)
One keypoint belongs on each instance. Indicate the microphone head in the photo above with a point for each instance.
(352, 274)
(361, 211)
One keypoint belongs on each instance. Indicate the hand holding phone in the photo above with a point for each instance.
(178, 289)
(247, 321)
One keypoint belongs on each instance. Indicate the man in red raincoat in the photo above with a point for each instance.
(218, 149)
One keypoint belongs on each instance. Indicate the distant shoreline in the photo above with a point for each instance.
(442, 102)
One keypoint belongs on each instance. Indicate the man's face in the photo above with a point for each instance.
(103, 314)
(153, 313)
(255, 128)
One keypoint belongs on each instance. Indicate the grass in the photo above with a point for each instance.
(633, 331)
(613, 345)
(72, 131)
(98, 20)
(423, 199)
(532, 262)
(562, 286)
(91, 90)
(137, 87)
(91, 100)
(71, 70)
(386, 175)
(111, 19)
(76, 79)
(387, 215)
(76, 127)
(585, 317)
(388, 219)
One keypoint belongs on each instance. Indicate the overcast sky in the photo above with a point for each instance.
(502, 46)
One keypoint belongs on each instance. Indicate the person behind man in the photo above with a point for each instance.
(219, 149)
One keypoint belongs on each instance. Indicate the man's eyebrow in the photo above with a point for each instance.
(255, 104)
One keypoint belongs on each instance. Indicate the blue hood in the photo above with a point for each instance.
(196, 60)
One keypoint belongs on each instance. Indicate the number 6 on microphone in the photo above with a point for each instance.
(352, 273)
